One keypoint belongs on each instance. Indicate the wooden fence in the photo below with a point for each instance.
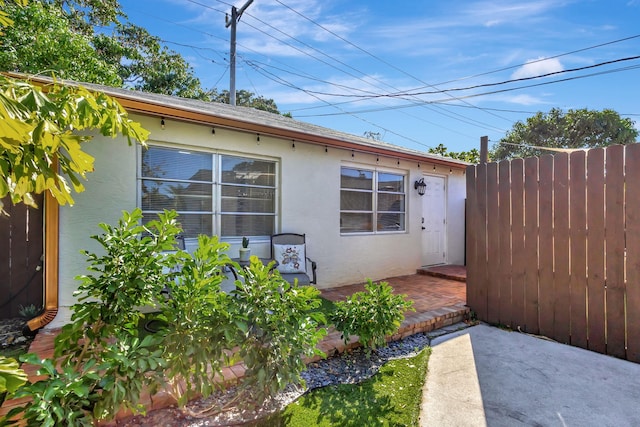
(553, 247)
(21, 248)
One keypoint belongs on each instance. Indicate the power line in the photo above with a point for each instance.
(447, 100)
(374, 56)
(444, 91)
(364, 94)
(570, 70)
(541, 59)
(418, 103)
(333, 105)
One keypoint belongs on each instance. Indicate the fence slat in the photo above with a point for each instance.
(6, 278)
(545, 239)
(614, 261)
(561, 310)
(471, 251)
(558, 247)
(481, 194)
(632, 223)
(493, 245)
(504, 221)
(519, 260)
(21, 236)
(578, 241)
(532, 324)
(595, 250)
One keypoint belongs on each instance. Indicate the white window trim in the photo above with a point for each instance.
(376, 170)
(216, 155)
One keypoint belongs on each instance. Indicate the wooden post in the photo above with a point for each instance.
(484, 149)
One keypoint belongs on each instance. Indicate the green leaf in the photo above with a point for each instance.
(11, 376)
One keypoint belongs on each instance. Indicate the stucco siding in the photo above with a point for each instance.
(309, 202)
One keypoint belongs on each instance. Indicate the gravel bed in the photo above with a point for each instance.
(11, 332)
(347, 368)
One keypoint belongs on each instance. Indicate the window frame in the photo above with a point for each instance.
(217, 183)
(375, 211)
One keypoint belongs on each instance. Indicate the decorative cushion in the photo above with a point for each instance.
(291, 258)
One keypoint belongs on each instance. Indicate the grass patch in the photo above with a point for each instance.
(390, 398)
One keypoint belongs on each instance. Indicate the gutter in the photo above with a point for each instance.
(51, 228)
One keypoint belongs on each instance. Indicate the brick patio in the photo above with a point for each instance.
(438, 293)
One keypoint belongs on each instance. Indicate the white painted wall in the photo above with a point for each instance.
(309, 203)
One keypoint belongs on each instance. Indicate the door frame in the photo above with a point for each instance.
(445, 243)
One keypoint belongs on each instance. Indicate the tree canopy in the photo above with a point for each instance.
(92, 41)
(471, 156)
(38, 129)
(246, 99)
(581, 128)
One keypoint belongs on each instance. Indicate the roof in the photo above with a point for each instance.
(252, 120)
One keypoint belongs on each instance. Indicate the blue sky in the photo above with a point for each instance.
(335, 63)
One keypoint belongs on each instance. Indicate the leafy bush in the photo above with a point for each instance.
(278, 325)
(104, 361)
(104, 364)
(371, 315)
(198, 323)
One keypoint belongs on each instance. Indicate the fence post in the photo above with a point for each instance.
(484, 149)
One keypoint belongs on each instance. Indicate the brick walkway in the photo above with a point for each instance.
(438, 293)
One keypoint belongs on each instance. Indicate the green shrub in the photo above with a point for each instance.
(371, 315)
(278, 325)
(104, 364)
(198, 323)
(106, 361)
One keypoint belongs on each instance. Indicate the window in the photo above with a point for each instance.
(371, 201)
(213, 193)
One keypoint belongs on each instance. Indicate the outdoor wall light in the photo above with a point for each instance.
(162, 123)
(420, 186)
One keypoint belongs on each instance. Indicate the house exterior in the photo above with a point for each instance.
(235, 172)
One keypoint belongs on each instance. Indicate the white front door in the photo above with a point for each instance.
(434, 221)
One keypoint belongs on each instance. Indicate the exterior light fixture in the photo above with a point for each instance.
(162, 123)
(420, 186)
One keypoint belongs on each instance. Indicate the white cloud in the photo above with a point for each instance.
(537, 67)
(496, 12)
(524, 100)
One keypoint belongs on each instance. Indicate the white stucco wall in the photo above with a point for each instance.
(309, 189)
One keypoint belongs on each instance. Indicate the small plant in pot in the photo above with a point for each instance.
(245, 251)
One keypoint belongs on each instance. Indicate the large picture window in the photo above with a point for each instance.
(371, 201)
(230, 196)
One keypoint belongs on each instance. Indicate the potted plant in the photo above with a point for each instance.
(245, 251)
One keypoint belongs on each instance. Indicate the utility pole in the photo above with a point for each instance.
(235, 18)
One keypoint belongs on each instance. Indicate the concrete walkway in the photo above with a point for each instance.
(486, 376)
